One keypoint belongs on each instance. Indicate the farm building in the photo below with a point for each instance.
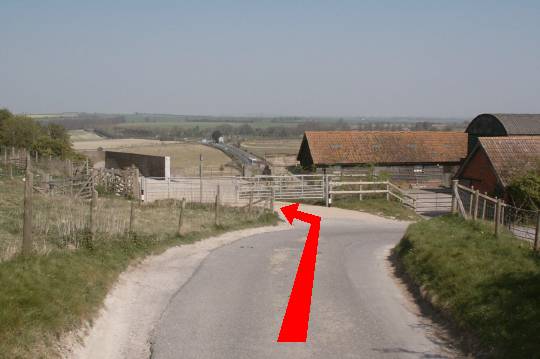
(491, 125)
(495, 161)
(409, 156)
(149, 166)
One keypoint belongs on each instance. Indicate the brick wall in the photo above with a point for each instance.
(479, 173)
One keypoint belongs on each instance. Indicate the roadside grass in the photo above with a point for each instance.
(378, 206)
(62, 286)
(45, 297)
(488, 287)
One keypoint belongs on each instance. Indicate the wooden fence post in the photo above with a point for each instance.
(131, 217)
(497, 215)
(93, 203)
(27, 245)
(454, 195)
(537, 233)
(250, 204)
(471, 198)
(200, 178)
(361, 196)
(387, 191)
(326, 186)
(484, 207)
(181, 216)
(216, 214)
(476, 199)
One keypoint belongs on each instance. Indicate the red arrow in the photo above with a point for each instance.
(294, 327)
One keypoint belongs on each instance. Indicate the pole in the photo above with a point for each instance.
(484, 208)
(200, 178)
(476, 199)
(387, 191)
(497, 215)
(216, 214)
(537, 233)
(272, 199)
(27, 224)
(93, 203)
(326, 180)
(471, 197)
(181, 216)
(131, 217)
(250, 200)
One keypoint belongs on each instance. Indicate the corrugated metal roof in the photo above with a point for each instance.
(350, 147)
(519, 124)
(512, 155)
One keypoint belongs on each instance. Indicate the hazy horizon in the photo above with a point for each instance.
(419, 59)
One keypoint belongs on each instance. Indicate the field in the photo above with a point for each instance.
(272, 147)
(184, 155)
(185, 158)
(83, 135)
(280, 153)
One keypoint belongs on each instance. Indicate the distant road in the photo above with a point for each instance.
(233, 304)
(236, 153)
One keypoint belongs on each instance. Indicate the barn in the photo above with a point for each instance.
(499, 124)
(495, 161)
(404, 155)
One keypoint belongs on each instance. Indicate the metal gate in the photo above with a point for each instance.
(432, 202)
(282, 187)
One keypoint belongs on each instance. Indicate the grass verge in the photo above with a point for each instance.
(44, 297)
(488, 287)
(379, 207)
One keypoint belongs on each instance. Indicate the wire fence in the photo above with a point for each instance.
(522, 223)
(67, 222)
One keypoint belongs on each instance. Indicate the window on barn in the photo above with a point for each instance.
(376, 147)
(335, 146)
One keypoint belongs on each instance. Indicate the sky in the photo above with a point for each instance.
(291, 58)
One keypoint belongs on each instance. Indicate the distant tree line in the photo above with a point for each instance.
(272, 130)
(85, 121)
(23, 132)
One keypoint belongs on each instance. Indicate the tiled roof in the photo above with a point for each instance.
(512, 155)
(385, 147)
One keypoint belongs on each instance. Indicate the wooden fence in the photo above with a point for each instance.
(473, 205)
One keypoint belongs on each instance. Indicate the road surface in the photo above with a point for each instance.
(233, 304)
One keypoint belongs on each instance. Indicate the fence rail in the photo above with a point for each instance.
(471, 204)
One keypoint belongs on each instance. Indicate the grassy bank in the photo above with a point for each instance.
(489, 287)
(43, 297)
(63, 284)
(377, 206)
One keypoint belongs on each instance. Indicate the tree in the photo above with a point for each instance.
(524, 190)
(24, 132)
(216, 135)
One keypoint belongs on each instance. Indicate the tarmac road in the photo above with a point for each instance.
(233, 304)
